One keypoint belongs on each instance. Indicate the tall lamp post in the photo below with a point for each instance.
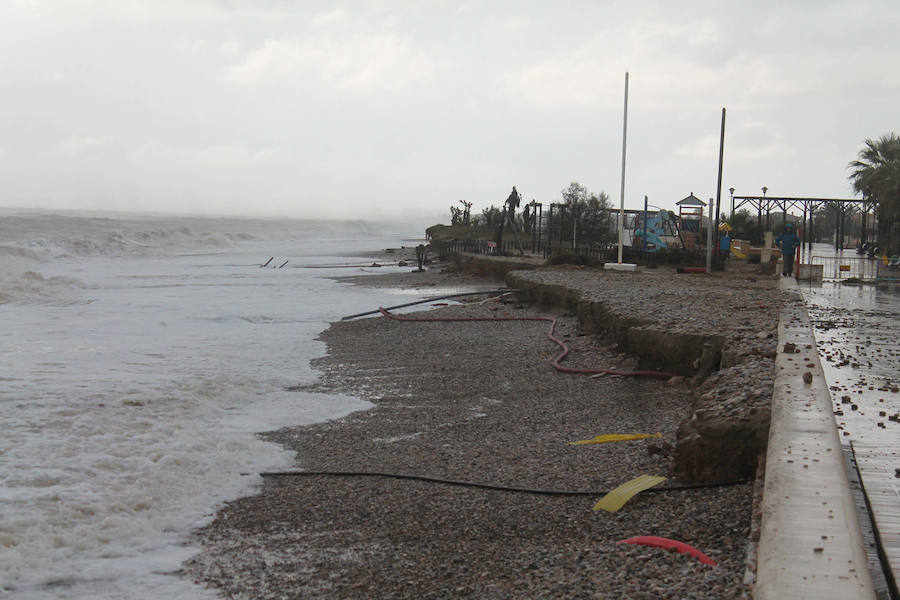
(764, 190)
(719, 182)
(731, 191)
(622, 195)
(620, 265)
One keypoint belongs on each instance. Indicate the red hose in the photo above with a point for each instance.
(552, 321)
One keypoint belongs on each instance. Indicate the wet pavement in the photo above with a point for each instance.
(857, 330)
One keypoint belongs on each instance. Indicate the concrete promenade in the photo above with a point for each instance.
(810, 542)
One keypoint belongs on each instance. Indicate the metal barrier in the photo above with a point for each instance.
(837, 268)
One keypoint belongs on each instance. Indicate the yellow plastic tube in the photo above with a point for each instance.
(616, 437)
(617, 498)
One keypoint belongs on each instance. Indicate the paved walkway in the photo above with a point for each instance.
(877, 464)
(810, 541)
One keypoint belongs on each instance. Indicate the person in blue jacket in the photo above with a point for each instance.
(788, 242)
(724, 248)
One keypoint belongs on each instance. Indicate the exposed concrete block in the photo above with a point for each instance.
(620, 267)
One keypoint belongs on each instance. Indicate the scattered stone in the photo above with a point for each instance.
(378, 539)
(807, 377)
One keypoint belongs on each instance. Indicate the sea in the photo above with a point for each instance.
(139, 357)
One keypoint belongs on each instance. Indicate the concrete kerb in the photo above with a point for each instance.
(810, 542)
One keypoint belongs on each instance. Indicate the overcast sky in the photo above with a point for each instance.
(389, 108)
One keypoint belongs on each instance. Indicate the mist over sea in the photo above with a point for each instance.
(138, 357)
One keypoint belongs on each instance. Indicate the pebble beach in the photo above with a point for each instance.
(480, 402)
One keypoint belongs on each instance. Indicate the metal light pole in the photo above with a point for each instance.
(709, 237)
(719, 183)
(644, 249)
(540, 223)
(574, 226)
(622, 194)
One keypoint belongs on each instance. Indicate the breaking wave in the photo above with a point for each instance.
(29, 240)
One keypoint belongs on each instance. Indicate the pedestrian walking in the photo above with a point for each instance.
(788, 242)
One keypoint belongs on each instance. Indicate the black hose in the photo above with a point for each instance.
(472, 484)
(489, 486)
(376, 311)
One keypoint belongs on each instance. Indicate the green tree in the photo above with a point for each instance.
(456, 216)
(491, 216)
(743, 225)
(591, 213)
(876, 175)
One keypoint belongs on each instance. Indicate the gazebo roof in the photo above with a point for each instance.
(691, 200)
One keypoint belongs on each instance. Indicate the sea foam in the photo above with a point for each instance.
(140, 356)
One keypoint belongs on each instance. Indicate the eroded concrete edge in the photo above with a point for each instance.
(656, 348)
(810, 542)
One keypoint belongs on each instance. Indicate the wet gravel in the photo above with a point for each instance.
(478, 402)
(741, 307)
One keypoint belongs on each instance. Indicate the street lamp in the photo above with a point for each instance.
(764, 190)
(731, 191)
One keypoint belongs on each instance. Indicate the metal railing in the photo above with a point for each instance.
(838, 268)
(595, 253)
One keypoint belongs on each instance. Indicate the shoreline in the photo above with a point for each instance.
(460, 415)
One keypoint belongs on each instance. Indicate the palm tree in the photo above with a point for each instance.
(876, 175)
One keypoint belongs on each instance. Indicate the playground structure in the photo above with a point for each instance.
(568, 230)
(690, 220)
(657, 233)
